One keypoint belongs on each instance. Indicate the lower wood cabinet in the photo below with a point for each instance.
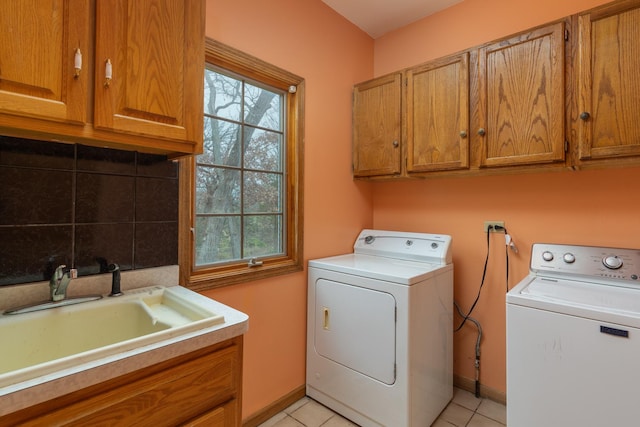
(202, 388)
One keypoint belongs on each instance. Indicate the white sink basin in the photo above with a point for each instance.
(42, 342)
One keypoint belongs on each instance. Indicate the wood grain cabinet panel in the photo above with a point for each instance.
(609, 82)
(377, 126)
(521, 105)
(157, 70)
(438, 115)
(203, 388)
(38, 44)
(153, 101)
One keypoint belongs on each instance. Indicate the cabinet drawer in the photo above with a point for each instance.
(226, 415)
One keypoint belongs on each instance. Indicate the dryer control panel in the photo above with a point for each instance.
(586, 261)
(424, 247)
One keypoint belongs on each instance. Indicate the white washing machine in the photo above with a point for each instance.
(380, 329)
(573, 339)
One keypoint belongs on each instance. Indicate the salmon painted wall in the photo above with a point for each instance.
(464, 25)
(309, 39)
(587, 207)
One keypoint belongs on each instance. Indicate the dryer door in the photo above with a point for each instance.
(356, 327)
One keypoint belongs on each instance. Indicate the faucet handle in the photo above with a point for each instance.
(62, 270)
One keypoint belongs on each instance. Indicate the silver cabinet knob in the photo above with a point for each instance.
(463, 134)
(395, 144)
(482, 132)
(585, 115)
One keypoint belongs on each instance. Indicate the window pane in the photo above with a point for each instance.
(221, 143)
(217, 190)
(217, 239)
(262, 235)
(263, 150)
(262, 108)
(262, 192)
(222, 95)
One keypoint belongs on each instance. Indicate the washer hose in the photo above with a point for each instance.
(477, 362)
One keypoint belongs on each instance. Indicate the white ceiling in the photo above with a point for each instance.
(377, 17)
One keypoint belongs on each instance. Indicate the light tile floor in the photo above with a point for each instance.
(464, 410)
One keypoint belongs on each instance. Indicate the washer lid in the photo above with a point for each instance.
(381, 268)
(585, 299)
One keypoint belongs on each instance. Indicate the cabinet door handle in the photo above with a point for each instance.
(463, 134)
(395, 144)
(77, 63)
(482, 132)
(585, 115)
(108, 72)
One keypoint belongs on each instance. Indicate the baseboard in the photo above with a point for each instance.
(292, 397)
(470, 385)
(275, 408)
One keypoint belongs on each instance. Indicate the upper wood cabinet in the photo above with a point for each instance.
(377, 127)
(520, 99)
(153, 100)
(154, 52)
(38, 45)
(438, 115)
(413, 122)
(609, 83)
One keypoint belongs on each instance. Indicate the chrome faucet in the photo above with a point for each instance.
(60, 281)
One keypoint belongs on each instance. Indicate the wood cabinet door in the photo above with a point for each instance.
(222, 416)
(609, 82)
(205, 390)
(38, 43)
(520, 110)
(156, 54)
(438, 115)
(377, 126)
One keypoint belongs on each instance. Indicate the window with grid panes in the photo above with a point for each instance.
(244, 195)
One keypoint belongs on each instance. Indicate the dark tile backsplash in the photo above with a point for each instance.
(83, 206)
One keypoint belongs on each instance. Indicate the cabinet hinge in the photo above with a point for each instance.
(566, 146)
(566, 35)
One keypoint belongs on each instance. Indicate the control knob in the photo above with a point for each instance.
(612, 262)
(547, 256)
(569, 258)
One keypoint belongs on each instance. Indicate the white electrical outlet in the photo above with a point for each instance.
(491, 226)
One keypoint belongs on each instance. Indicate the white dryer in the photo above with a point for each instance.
(380, 329)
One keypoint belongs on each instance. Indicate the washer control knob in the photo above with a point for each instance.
(369, 239)
(569, 258)
(547, 256)
(612, 262)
